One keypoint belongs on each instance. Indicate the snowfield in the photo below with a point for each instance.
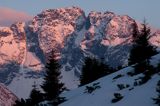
(140, 95)
(23, 83)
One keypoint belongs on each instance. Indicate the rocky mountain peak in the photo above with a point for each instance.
(52, 17)
(54, 25)
(120, 26)
(99, 17)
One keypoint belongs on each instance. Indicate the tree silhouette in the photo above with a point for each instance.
(52, 85)
(92, 70)
(35, 97)
(141, 49)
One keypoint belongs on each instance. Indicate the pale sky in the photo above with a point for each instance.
(137, 9)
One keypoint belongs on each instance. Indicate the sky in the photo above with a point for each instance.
(25, 9)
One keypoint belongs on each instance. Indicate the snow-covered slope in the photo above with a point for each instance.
(133, 95)
(7, 98)
(22, 84)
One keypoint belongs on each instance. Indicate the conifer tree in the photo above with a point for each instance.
(141, 49)
(52, 85)
(35, 97)
(92, 70)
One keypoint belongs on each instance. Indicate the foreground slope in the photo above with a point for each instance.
(133, 95)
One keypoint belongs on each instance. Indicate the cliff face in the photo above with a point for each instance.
(12, 50)
(12, 43)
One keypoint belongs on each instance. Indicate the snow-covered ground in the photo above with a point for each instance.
(140, 95)
(23, 83)
(69, 79)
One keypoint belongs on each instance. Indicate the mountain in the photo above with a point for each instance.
(25, 47)
(101, 92)
(7, 98)
(75, 36)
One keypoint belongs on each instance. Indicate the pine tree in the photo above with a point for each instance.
(52, 85)
(35, 97)
(141, 49)
(157, 100)
(86, 72)
(92, 70)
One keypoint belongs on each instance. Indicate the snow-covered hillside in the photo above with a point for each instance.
(22, 84)
(133, 95)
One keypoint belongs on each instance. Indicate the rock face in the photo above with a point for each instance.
(7, 98)
(12, 50)
(53, 26)
(12, 43)
(73, 35)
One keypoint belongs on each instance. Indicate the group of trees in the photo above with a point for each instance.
(142, 51)
(51, 87)
(140, 54)
(93, 69)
